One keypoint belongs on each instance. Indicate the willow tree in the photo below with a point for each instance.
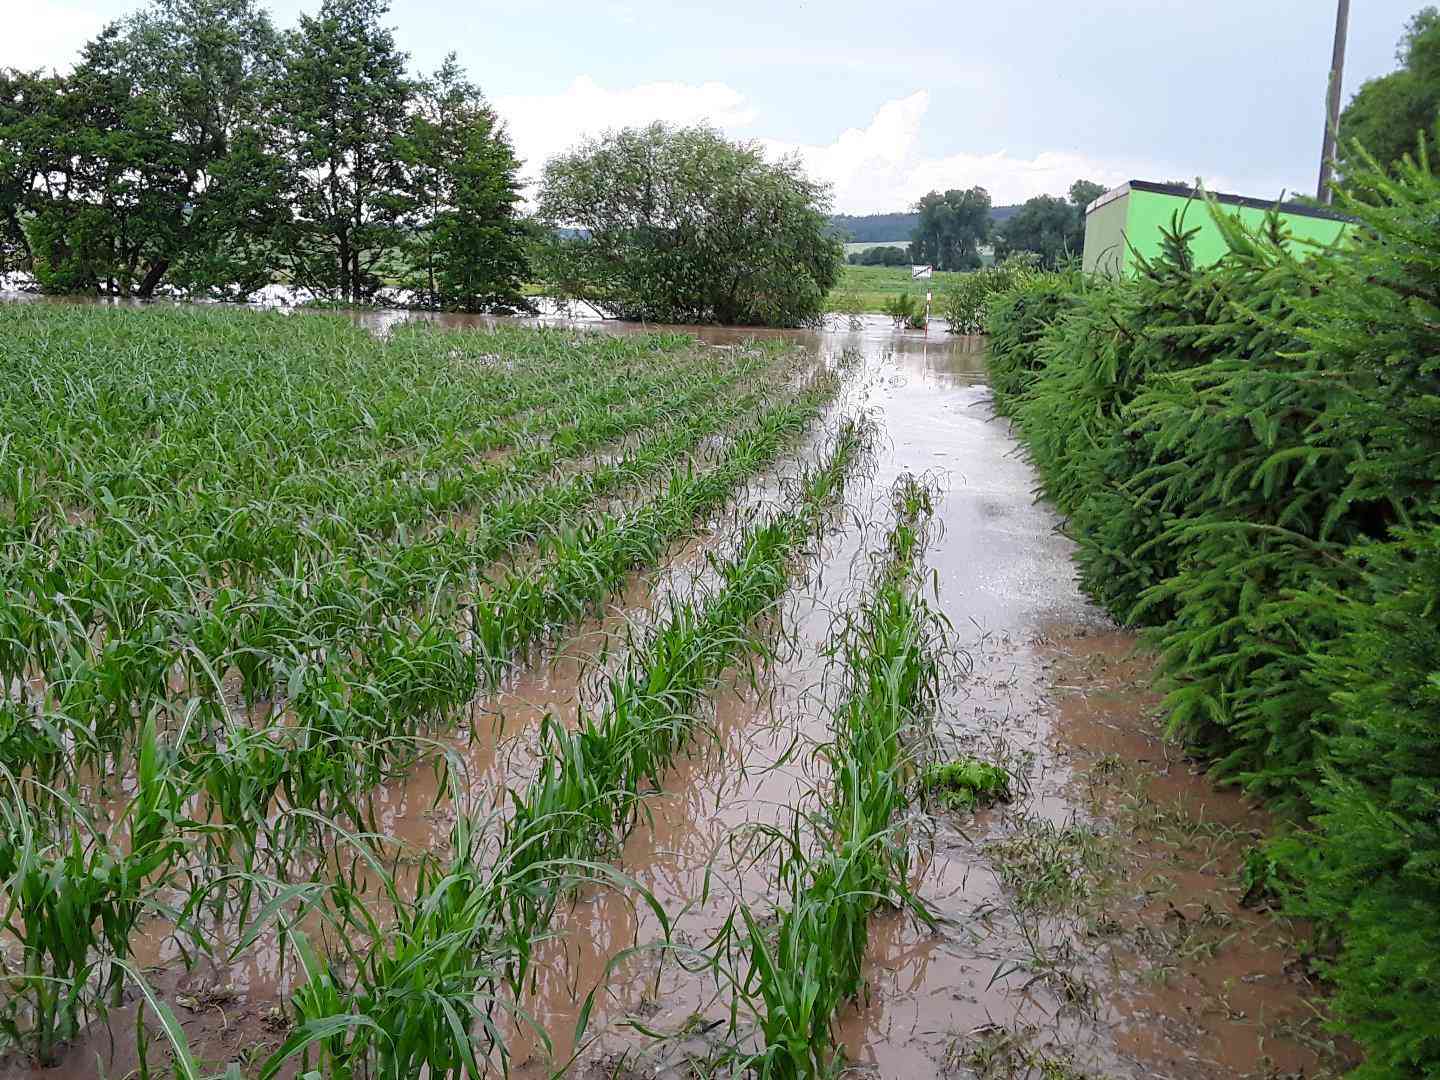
(682, 225)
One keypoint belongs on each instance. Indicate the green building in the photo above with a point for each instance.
(1129, 220)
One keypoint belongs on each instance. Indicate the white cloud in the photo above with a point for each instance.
(875, 168)
(879, 168)
(48, 34)
(544, 125)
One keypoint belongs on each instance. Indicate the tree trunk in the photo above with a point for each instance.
(344, 281)
(152, 279)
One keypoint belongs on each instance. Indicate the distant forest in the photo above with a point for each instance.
(877, 228)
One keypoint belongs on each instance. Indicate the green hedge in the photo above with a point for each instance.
(1247, 455)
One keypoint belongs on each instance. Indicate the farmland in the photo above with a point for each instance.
(529, 698)
(869, 288)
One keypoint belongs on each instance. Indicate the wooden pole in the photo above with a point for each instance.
(1332, 101)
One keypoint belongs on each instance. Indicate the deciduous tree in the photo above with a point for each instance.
(682, 225)
(1387, 114)
(951, 229)
(344, 114)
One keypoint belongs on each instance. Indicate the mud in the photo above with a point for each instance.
(1093, 926)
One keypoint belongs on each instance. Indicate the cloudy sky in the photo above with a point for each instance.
(887, 101)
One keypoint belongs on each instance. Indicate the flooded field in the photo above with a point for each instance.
(1092, 923)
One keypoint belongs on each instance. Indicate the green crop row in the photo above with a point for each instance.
(185, 747)
(795, 967)
(425, 990)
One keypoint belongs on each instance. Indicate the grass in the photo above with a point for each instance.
(869, 288)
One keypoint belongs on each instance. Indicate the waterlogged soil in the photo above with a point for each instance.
(1093, 925)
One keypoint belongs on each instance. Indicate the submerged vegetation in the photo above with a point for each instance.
(797, 966)
(966, 782)
(257, 566)
(1246, 455)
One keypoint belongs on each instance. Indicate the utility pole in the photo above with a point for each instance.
(1332, 101)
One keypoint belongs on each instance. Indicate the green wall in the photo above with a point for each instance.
(1140, 216)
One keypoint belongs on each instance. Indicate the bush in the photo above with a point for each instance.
(889, 255)
(1248, 456)
(1370, 870)
(682, 225)
(963, 304)
(1016, 322)
(907, 311)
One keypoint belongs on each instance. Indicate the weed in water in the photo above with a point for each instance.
(965, 783)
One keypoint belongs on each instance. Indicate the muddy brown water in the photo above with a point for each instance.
(1136, 959)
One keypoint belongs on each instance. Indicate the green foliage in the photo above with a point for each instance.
(467, 250)
(344, 117)
(682, 225)
(805, 961)
(885, 255)
(966, 782)
(963, 304)
(1371, 870)
(1051, 228)
(195, 149)
(1015, 323)
(1246, 455)
(1390, 113)
(153, 150)
(951, 229)
(907, 311)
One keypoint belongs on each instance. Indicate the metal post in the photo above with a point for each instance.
(1332, 101)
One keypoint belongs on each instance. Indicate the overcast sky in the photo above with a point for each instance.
(888, 101)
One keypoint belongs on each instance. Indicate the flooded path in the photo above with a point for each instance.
(1093, 926)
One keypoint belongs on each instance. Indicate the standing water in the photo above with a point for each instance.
(1092, 925)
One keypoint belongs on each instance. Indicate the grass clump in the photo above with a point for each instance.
(965, 783)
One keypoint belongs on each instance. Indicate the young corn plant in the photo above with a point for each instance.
(74, 894)
(800, 964)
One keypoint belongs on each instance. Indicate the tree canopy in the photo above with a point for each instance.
(889, 255)
(678, 224)
(951, 229)
(197, 150)
(1388, 114)
(1052, 228)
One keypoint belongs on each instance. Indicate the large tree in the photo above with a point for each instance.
(1050, 227)
(951, 229)
(1387, 116)
(30, 122)
(344, 109)
(682, 225)
(149, 163)
(467, 250)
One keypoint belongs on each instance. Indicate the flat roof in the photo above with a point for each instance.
(1183, 191)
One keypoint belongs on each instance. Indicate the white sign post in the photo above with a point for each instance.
(922, 273)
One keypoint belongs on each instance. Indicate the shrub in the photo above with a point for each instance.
(1015, 323)
(1372, 868)
(906, 311)
(963, 304)
(681, 225)
(1247, 457)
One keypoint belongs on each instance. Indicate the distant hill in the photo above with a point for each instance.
(883, 228)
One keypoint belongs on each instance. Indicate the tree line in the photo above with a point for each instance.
(197, 149)
(954, 225)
